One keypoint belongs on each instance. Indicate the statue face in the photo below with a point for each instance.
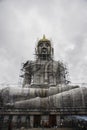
(44, 48)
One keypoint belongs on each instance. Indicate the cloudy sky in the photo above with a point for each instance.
(23, 22)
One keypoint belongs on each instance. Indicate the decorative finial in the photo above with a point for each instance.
(44, 37)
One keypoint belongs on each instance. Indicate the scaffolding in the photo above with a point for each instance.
(47, 70)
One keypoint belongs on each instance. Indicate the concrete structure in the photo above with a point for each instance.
(46, 97)
(44, 70)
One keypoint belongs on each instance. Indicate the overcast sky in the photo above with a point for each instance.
(23, 22)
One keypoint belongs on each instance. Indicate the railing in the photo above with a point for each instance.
(66, 110)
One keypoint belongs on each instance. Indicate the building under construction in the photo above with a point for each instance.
(44, 70)
(46, 97)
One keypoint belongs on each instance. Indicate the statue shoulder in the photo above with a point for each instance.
(28, 63)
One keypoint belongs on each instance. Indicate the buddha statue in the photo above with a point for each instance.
(45, 83)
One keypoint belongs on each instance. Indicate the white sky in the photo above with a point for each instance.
(23, 22)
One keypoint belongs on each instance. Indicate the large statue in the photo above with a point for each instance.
(45, 83)
(44, 70)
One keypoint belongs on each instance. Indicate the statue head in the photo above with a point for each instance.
(44, 49)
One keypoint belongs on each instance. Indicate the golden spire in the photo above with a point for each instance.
(44, 38)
